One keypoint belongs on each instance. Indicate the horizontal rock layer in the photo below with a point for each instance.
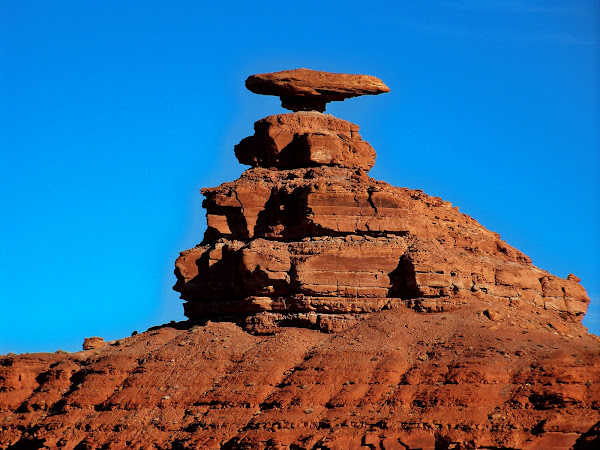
(288, 141)
(330, 241)
(305, 89)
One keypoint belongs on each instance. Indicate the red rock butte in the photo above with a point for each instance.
(328, 310)
(306, 237)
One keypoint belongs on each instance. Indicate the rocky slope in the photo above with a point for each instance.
(328, 310)
(482, 376)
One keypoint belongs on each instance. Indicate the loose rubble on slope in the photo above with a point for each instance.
(328, 310)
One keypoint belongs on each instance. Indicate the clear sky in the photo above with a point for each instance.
(113, 114)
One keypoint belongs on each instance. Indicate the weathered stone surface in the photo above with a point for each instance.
(327, 240)
(93, 342)
(289, 141)
(392, 379)
(305, 89)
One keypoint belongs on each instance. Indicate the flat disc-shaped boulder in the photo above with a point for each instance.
(311, 90)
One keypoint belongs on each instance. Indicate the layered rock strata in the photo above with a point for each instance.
(306, 237)
(398, 379)
(288, 141)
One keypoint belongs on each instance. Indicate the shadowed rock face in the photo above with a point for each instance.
(329, 241)
(344, 313)
(309, 139)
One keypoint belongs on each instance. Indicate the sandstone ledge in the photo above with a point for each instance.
(309, 139)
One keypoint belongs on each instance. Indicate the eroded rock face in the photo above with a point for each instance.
(306, 237)
(311, 90)
(307, 139)
(330, 240)
(393, 379)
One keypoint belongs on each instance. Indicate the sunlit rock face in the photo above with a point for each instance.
(306, 236)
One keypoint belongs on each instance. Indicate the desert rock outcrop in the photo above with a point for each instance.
(93, 343)
(307, 237)
(307, 139)
(328, 310)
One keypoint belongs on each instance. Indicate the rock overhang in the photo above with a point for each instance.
(310, 90)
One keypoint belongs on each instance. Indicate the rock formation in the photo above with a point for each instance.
(330, 311)
(93, 342)
(311, 90)
(306, 237)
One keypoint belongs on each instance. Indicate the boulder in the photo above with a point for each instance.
(305, 139)
(93, 343)
(311, 90)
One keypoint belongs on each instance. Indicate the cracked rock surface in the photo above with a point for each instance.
(395, 379)
(317, 243)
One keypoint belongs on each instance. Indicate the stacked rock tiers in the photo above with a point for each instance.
(305, 237)
(305, 139)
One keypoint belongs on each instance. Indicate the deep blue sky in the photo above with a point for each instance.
(113, 114)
